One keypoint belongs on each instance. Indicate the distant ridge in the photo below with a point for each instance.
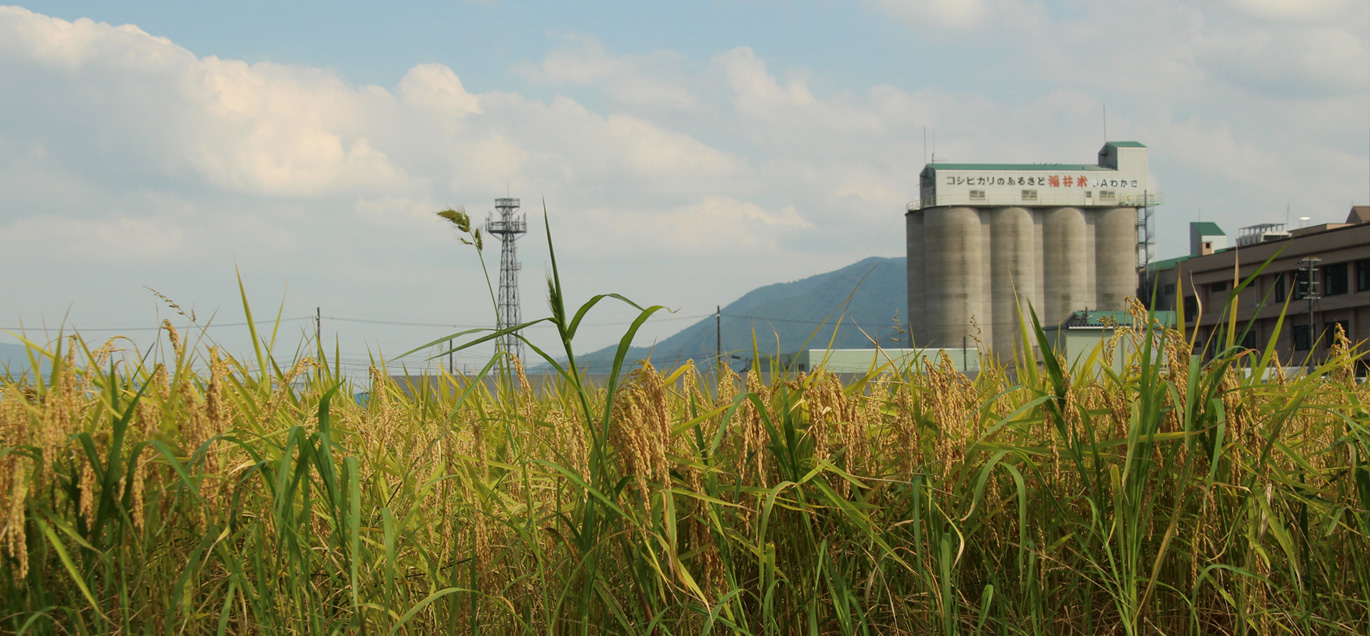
(15, 359)
(784, 316)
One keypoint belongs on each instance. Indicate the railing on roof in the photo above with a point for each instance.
(1253, 234)
(1042, 200)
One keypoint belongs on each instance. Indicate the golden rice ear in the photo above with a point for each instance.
(176, 345)
(15, 475)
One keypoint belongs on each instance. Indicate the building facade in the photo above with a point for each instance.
(1336, 254)
(986, 241)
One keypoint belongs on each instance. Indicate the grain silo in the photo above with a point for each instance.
(987, 239)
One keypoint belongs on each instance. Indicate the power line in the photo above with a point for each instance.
(193, 324)
(796, 320)
(403, 323)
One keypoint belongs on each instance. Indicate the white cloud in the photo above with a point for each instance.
(437, 88)
(710, 225)
(1285, 12)
(261, 128)
(1295, 63)
(118, 240)
(657, 79)
(956, 14)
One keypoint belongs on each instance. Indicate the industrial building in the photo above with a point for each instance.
(1335, 257)
(985, 240)
(860, 361)
(1081, 337)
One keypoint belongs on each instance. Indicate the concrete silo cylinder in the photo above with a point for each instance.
(955, 274)
(1115, 257)
(1066, 264)
(913, 232)
(1013, 276)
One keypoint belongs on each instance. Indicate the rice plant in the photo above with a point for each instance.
(189, 492)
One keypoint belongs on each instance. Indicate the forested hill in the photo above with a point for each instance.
(784, 316)
(14, 359)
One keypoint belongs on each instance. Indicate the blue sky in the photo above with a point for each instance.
(688, 152)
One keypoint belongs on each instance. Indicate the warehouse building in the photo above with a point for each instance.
(861, 361)
(986, 239)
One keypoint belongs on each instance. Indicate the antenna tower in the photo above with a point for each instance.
(510, 226)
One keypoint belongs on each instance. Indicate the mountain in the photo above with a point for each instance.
(14, 358)
(784, 316)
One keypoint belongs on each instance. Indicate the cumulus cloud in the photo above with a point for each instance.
(118, 240)
(149, 105)
(659, 79)
(1297, 63)
(956, 14)
(438, 89)
(1305, 11)
(711, 225)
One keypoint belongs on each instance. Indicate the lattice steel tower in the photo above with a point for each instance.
(508, 228)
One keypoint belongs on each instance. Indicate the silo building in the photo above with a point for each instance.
(986, 240)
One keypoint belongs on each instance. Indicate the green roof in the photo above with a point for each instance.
(1093, 318)
(1043, 167)
(1125, 144)
(1206, 228)
(1167, 263)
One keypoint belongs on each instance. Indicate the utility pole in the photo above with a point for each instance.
(718, 348)
(318, 336)
(1311, 291)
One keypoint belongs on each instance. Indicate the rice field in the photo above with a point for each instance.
(196, 493)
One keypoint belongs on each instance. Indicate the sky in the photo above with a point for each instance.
(155, 154)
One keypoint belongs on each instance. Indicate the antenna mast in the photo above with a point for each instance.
(510, 226)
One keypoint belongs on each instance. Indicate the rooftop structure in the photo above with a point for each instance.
(1206, 237)
(1264, 232)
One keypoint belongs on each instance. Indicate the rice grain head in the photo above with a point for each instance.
(15, 475)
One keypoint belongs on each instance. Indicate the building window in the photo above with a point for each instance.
(1300, 279)
(1168, 289)
(1335, 280)
(1030, 195)
(1249, 340)
(1089, 194)
(1363, 275)
(1107, 195)
(1301, 337)
(1191, 307)
(1218, 287)
(977, 195)
(1279, 288)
